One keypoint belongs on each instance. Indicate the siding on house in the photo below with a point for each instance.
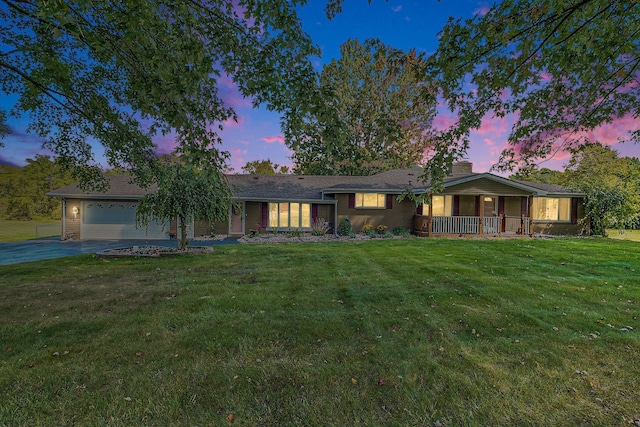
(400, 214)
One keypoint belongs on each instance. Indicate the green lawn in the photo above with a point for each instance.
(14, 231)
(633, 235)
(411, 332)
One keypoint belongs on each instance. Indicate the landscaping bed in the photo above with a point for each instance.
(151, 251)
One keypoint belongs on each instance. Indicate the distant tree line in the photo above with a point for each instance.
(23, 189)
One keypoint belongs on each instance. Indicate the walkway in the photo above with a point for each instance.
(36, 250)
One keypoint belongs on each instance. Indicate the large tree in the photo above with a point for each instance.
(23, 190)
(374, 115)
(611, 185)
(560, 67)
(125, 72)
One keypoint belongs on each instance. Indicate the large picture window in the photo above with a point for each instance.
(440, 206)
(551, 209)
(289, 215)
(370, 200)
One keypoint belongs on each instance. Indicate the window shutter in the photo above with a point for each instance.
(501, 205)
(419, 209)
(389, 201)
(314, 211)
(352, 201)
(478, 201)
(574, 210)
(524, 202)
(456, 205)
(265, 214)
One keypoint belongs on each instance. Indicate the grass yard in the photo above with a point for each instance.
(14, 231)
(633, 235)
(415, 332)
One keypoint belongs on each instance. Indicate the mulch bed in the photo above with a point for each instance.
(151, 251)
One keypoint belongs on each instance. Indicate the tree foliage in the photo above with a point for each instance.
(190, 193)
(265, 167)
(375, 114)
(542, 176)
(611, 185)
(23, 190)
(125, 72)
(560, 67)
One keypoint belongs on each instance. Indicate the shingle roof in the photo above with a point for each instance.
(120, 187)
(297, 187)
(549, 188)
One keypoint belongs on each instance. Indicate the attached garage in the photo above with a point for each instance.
(110, 214)
(104, 219)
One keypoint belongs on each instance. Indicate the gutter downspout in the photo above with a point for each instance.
(64, 218)
(335, 218)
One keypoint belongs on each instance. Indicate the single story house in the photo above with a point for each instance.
(470, 203)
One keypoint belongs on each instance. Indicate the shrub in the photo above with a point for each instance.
(380, 229)
(388, 235)
(366, 228)
(401, 231)
(344, 228)
(319, 227)
(371, 233)
(294, 233)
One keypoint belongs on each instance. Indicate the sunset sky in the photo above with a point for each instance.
(401, 24)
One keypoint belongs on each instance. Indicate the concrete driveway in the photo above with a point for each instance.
(36, 250)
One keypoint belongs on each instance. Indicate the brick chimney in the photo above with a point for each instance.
(462, 168)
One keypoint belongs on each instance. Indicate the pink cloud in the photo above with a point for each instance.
(444, 121)
(614, 132)
(239, 151)
(230, 94)
(271, 139)
(243, 142)
(234, 123)
(495, 125)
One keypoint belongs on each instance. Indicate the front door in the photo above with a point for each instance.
(236, 225)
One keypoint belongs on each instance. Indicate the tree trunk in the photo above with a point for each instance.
(183, 235)
(602, 228)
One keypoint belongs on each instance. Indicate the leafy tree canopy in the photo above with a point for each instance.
(542, 176)
(125, 72)
(264, 167)
(23, 190)
(189, 192)
(611, 185)
(375, 114)
(561, 67)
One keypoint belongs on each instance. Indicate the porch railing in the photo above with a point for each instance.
(471, 225)
(455, 224)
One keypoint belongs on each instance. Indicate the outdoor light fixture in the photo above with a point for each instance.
(75, 211)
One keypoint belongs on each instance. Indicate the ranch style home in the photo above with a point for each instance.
(470, 204)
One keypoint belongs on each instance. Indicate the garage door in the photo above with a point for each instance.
(117, 220)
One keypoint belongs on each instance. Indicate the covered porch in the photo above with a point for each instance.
(425, 225)
(482, 204)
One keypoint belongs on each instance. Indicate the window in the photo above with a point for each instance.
(551, 209)
(289, 215)
(370, 200)
(441, 205)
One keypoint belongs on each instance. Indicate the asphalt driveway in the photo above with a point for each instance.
(36, 250)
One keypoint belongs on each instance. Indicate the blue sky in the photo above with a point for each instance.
(401, 24)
